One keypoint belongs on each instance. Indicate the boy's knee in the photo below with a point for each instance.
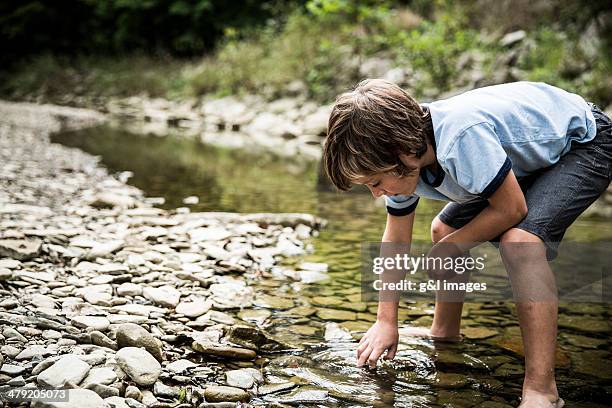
(439, 230)
(519, 247)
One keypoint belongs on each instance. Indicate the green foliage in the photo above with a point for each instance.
(179, 27)
(263, 46)
(435, 47)
(50, 78)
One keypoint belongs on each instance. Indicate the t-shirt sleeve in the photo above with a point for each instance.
(401, 205)
(477, 161)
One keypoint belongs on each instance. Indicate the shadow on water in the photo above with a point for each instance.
(485, 368)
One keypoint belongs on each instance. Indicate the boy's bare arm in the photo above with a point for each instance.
(507, 207)
(383, 335)
(397, 231)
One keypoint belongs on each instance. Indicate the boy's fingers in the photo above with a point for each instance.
(361, 348)
(391, 352)
(364, 357)
(363, 338)
(374, 356)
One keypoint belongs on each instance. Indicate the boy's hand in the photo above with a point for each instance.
(380, 337)
(443, 250)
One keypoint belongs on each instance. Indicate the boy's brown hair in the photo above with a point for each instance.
(369, 128)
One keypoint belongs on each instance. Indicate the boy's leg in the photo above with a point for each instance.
(555, 197)
(524, 256)
(447, 315)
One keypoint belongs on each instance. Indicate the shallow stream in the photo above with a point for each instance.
(484, 370)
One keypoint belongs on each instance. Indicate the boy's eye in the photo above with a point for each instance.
(376, 184)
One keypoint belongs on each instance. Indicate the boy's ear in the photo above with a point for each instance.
(409, 160)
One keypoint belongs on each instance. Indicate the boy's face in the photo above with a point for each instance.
(390, 185)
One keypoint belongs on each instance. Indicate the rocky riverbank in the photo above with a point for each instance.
(291, 126)
(124, 304)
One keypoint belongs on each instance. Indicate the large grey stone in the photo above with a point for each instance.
(166, 296)
(67, 370)
(139, 365)
(20, 249)
(133, 335)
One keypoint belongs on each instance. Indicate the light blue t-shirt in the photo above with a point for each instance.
(482, 134)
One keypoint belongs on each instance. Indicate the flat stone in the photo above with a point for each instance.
(307, 396)
(179, 366)
(77, 398)
(585, 324)
(10, 263)
(273, 302)
(243, 378)
(273, 388)
(67, 370)
(103, 375)
(221, 393)
(139, 365)
(162, 390)
(209, 234)
(594, 363)
(99, 323)
(220, 350)
(450, 380)
(129, 289)
(166, 296)
(193, 308)
(12, 369)
(5, 274)
(477, 333)
(314, 266)
(113, 268)
(20, 249)
(104, 249)
(11, 333)
(336, 315)
(32, 351)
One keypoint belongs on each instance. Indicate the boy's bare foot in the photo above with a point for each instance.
(426, 333)
(538, 400)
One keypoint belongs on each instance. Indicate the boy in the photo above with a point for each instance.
(518, 162)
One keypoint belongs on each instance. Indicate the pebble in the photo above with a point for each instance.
(139, 365)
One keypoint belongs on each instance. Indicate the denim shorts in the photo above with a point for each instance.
(558, 194)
